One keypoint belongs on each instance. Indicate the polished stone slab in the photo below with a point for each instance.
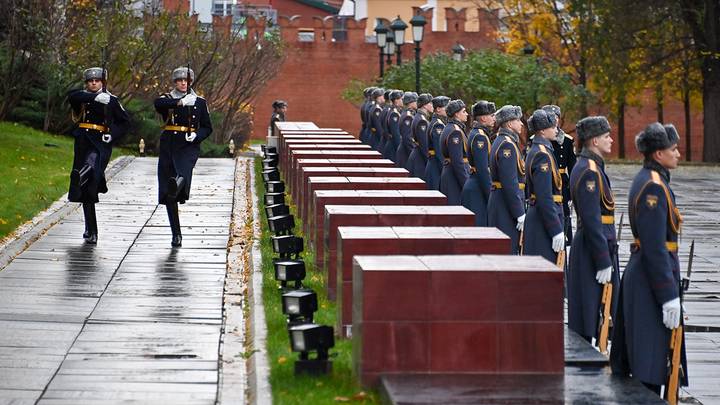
(291, 175)
(301, 184)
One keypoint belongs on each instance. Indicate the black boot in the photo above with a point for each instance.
(174, 219)
(86, 216)
(175, 184)
(91, 223)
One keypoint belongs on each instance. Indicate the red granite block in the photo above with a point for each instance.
(287, 140)
(356, 183)
(531, 347)
(530, 296)
(330, 154)
(462, 300)
(300, 163)
(294, 147)
(408, 298)
(336, 216)
(392, 346)
(463, 347)
(464, 295)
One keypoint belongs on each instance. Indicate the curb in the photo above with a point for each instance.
(259, 390)
(27, 233)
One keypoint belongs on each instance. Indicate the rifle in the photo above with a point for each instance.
(560, 262)
(189, 89)
(676, 341)
(104, 84)
(606, 306)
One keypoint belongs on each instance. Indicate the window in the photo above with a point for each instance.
(306, 35)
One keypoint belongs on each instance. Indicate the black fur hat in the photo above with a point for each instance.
(552, 108)
(483, 107)
(656, 137)
(454, 107)
(410, 97)
(368, 91)
(386, 94)
(440, 101)
(396, 94)
(424, 99)
(590, 127)
(377, 92)
(508, 113)
(279, 104)
(541, 119)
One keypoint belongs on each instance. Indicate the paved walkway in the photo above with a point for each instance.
(130, 318)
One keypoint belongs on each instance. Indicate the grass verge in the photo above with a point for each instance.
(35, 172)
(340, 386)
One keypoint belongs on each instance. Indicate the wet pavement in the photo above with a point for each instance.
(130, 318)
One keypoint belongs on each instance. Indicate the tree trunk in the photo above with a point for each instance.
(688, 121)
(621, 126)
(711, 109)
(659, 97)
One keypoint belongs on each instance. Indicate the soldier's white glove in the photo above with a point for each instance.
(103, 98)
(188, 100)
(520, 222)
(106, 138)
(190, 137)
(603, 276)
(671, 313)
(558, 242)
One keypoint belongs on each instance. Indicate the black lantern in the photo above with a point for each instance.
(287, 245)
(271, 175)
(390, 47)
(458, 52)
(289, 271)
(381, 35)
(274, 198)
(418, 27)
(299, 306)
(275, 187)
(398, 28)
(281, 224)
(275, 210)
(308, 338)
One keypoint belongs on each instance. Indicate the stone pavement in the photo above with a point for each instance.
(130, 318)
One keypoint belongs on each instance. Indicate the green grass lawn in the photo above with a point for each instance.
(338, 387)
(35, 169)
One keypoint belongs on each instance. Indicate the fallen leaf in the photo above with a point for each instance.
(282, 360)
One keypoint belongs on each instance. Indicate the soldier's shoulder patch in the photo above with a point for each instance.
(590, 186)
(456, 140)
(377, 112)
(651, 201)
(438, 130)
(395, 118)
(507, 153)
(480, 144)
(544, 167)
(407, 122)
(422, 127)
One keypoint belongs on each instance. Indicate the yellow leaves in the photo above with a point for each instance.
(361, 396)
(3, 221)
(282, 360)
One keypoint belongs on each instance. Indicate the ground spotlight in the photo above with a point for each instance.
(310, 337)
(299, 306)
(289, 271)
(274, 198)
(287, 245)
(276, 210)
(281, 224)
(271, 175)
(275, 187)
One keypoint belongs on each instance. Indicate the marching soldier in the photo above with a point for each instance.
(365, 114)
(402, 154)
(593, 262)
(565, 158)
(476, 191)
(375, 113)
(392, 136)
(437, 125)
(101, 122)
(506, 206)
(453, 147)
(543, 235)
(187, 123)
(420, 124)
(279, 110)
(650, 308)
(382, 138)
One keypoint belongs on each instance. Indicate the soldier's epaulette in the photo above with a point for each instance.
(592, 166)
(569, 137)
(532, 137)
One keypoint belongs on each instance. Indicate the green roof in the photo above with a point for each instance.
(321, 5)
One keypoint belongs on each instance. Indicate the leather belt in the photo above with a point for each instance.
(671, 246)
(556, 198)
(497, 185)
(178, 128)
(432, 153)
(607, 219)
(96, 127)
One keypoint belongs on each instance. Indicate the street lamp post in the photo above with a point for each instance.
(418, 25)
(390, 47)
(381, 34)
(458, 52)
(529, 50)
(398, 28)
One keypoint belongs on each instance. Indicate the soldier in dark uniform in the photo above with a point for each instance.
(383, 134)
(437, 125)
(402, 154)
(101, 122)
(392, 136)
(187, 123)
(506, 206)
(565, 158)
(420, 124)
(454, 150)
(650, 306)
(543, 234)
(476, 191)
(375, 121)
(593, 262)
(279, 110)
(365, 114)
